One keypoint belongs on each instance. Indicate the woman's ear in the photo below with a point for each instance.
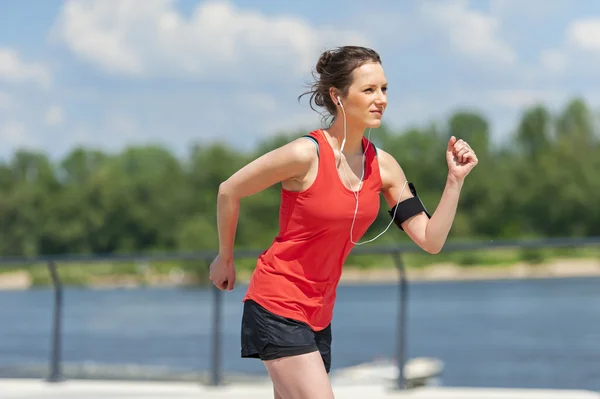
(335, 96)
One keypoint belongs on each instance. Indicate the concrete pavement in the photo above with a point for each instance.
(85, 389)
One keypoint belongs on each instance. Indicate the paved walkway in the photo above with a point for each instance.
(77, 389)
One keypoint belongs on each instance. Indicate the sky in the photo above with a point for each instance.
(111, 73)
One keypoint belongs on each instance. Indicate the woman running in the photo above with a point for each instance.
(331, 182)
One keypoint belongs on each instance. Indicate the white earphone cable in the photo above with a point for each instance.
(356, 192)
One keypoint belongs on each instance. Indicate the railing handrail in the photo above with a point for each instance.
(248, 253)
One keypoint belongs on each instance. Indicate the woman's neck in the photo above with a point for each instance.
(354, 136)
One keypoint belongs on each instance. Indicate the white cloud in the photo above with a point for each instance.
(553, 61)
(521, 98)
(5, 100)
(82, 136)
(578, 54)
(112, 132)
(121, 37)
(256, 102)
(14, 69)
(15, 135)
(469, 32)
(537, 10)
(123, 125)
(54, 116)
(585, 34)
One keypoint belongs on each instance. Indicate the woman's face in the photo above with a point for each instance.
(366, 99)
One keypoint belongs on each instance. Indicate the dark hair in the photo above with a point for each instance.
(335, 68)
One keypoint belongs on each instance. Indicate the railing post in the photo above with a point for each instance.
(216, 341)
(55, 360)
(401, 333)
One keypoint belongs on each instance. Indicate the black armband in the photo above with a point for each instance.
(408, 208)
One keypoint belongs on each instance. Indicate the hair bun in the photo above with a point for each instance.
(324, 61)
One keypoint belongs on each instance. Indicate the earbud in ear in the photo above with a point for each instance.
(339, 101)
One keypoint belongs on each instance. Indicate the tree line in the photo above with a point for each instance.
(543, 181)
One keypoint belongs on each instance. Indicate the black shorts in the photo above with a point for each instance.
(268, 336)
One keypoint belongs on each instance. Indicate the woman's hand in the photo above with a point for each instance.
(222, 273)
(461, 158)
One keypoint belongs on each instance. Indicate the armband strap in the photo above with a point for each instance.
(408, 208)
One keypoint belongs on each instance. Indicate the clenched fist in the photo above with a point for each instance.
(461, 158)
(222, 273)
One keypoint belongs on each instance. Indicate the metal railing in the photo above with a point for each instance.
(216, 375)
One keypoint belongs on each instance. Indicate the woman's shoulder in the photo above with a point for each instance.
(305, 148)
(389, 167)
(300, 152)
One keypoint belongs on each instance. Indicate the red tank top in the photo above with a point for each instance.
(297, 276)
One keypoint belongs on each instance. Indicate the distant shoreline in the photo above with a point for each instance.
(559, 268)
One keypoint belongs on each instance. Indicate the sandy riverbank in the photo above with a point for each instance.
(560, 268)
(450, 272)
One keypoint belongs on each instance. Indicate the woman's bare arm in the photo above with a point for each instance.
(429, 234)
(290, 161)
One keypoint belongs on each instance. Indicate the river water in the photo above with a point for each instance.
(513, 333)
